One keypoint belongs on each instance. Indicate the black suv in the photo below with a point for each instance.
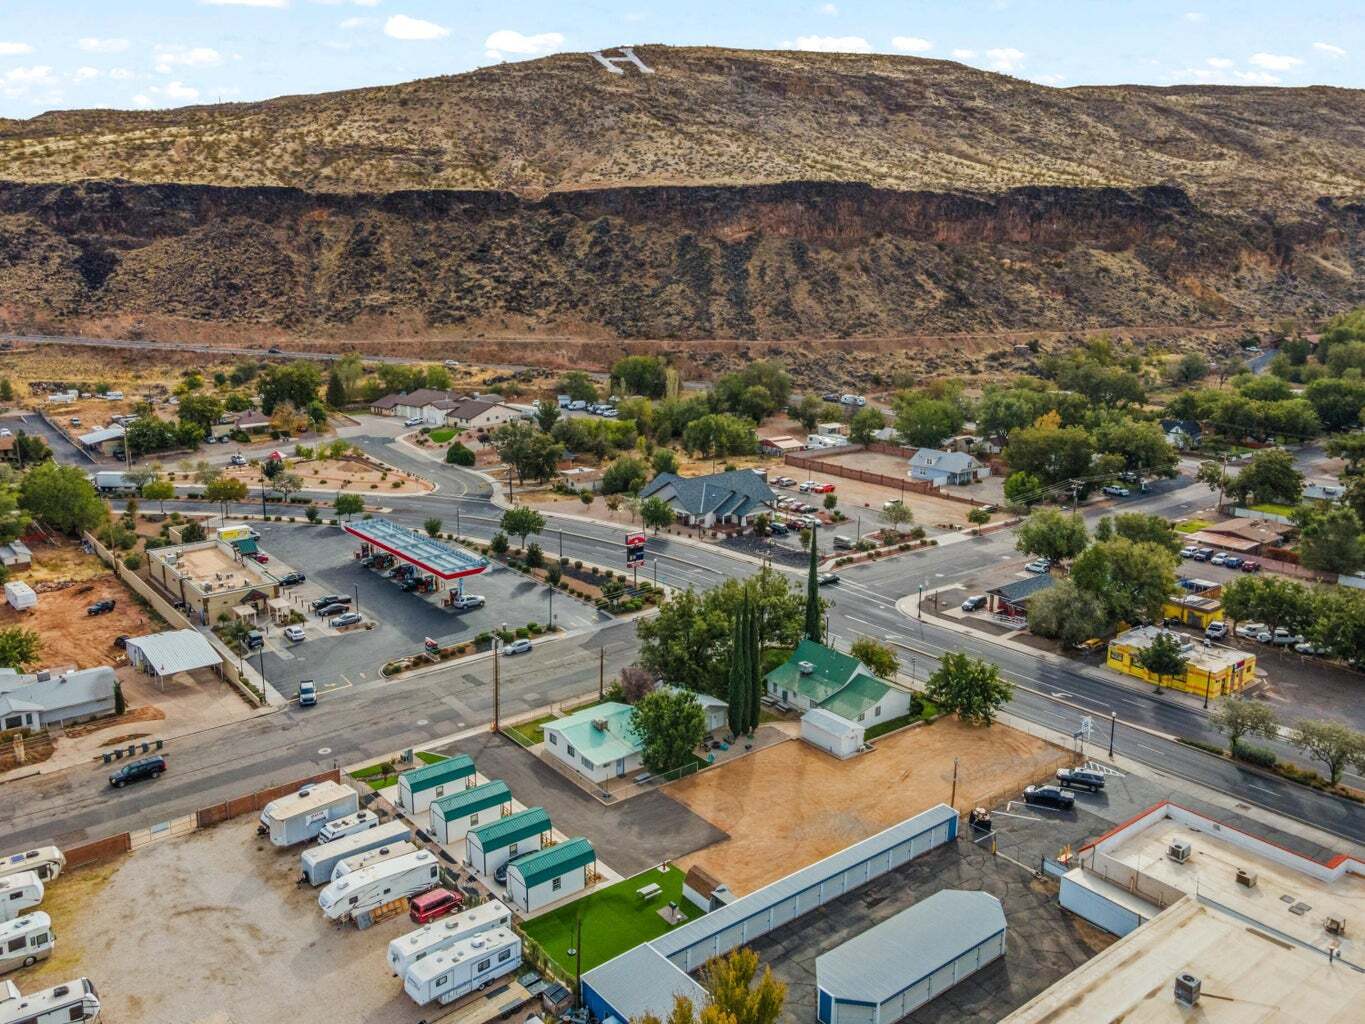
(1049, 796)
(292, 580)
(100, 607)
(136, 771)
(1081, 778)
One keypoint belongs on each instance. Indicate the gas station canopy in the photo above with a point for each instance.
(430, 556)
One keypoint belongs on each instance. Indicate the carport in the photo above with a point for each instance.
(438, 565)
(162, 655)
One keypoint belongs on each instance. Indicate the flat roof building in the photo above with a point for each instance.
(441, 561)
(212, 579)
(1217, 671)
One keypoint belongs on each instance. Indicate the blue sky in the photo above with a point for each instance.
(163, 53)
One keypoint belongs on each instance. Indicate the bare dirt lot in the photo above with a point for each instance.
(70, 637)
(348, 474)
(790, 805)
(929, 511)
(211, 929)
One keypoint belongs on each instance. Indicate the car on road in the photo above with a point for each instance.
(331, 599)
(826, 578)
(516, 647)
(101, 607)
(1250, 630)
(308, 693)
(974, 603)
(1251, 565)
(857, 400)
(292, 579)
(466, 601)
(413, 421)
(294, 634)
(136, 771)
(1049, 796)
(255, 640)
(348, 619)
(1115, 491)
(1216, 630)
(831, 397)
(1040, 565)
(238, 459)
(1188, 551)
(1080, 778)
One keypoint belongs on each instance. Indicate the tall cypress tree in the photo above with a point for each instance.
(755, 672)
(735, 695)
(814, 630)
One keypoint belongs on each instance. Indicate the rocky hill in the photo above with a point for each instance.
(730, 194)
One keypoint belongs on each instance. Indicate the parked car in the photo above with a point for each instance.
(413, 421)
(500, 873)
(1216, 630)
(274, 350)
(1233, 562)
(1080, 778)
(330, 599)
(261, 557)
(431, 905)
(466, 601)
(1049, 796)
(578, 405)
(1281, 638)
(1250, 630)
(516, 647)
(308, 693)
(1308, 647)
(831, 397)
(785, 481)
(1115, 491)
(806, 486)
(1251, 565)
(255, 640)
(778, 530)
(826, 578)
(974, 603)
(136, 771)
(1039, 565)
(101, 607)
(1188, 551)
(1219, 559)
(1203, 554)
(294, 633)
(857, 400)
(348, 619)
(293, 579)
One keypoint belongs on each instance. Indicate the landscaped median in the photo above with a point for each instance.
(479, 645)
(383, 774)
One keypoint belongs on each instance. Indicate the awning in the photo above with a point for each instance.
(247, 545)
(178, 650)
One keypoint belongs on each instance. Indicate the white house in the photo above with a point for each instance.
(597, 742)
(43, 699)
(816, 676)
(832, 733)
(549, 875)
(946, 468)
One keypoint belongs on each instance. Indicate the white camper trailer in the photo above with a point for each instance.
(25, 940)
(19, 893)
(465, 966)
(360, 861)
(361, 821)
(70, 1001)
(20, 596)
(373, 886)
(46, 862)
(318, 862)
(298, 817)
(406, 950)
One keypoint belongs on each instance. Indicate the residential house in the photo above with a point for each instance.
(9, 447)
(816, 676)
(1182, 434)
(1327, 493)
(1215, 671)
(477, 414)
(253, 421)
(780, 445)
(43, 699)
(944, 469)
(1245, 536)
(1011, 599)
(732, 498)
(415, 405)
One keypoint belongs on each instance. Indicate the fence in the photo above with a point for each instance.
(821, 461)
(256, 801)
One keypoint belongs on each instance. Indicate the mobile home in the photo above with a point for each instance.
(371, 887)
(453, 816)
(539, 879)
(391, 851)
(25, 940)
(420, 786)
(361, 821)
(298, 817)
(62, 1004)
(318, 862)
(489, 847)
(46, 862)
(465, 966)
(406, 950)
(18, 893)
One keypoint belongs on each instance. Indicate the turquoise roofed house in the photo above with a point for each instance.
(420, 786)
(816, 676)
(598, 742)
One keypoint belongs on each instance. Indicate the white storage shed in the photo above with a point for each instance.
(539, 879)
(20, 596)
(418, 787)
(831, 733)
(453, 816)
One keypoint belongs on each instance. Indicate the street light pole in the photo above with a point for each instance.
(355, 589)
(497, 684)
(1113, 721)
(261, 663)
(919, 604)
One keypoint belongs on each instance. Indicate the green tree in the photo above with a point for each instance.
(664, 461)
(1337, 402)
(656, 514)
(734, 998)
(1023, 488)
(19, 647)
(201, 410)
(159, 491)
(336, 389)
(1350, 447)
(530, 453)
(1142, 446)
(1236, 718)
(808, 412)
(547, 415)
(1270, 476)
(1051, 534)
(432, 526)
(295, 382)
(671, 725)
(1331, 743)
(1067, 614)
(969, 687)
(1339, 623)
(578, 386)
(862, 428)
(1331, 539)
(6, 390)
(62, 498)
(815, 606)
(1216, 476)
(223, 490)
(1273, 600)
(879, 659)
(1132, 581)
(924, 422)
(498, 545)
(31, 449)
(720, 434)
(1052, 454)
(1190, 368)
(978, 516)
(898, 515)
(348, 505)
(736, 693)
(627, 473)
(1162, 657)
(458, 455)
(1140, 528)
(522, 521)
(641, 375)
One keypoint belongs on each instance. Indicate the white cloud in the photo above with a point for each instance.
(84, 74)
(338, 3)
(1005, 58)
(18, 82)
(830, 9)
(1274, 61)
(1256, 77)
(90, 44)
(911, 44)
(505, 41)
(349, 23)
(14, 49)
(961, 54)
(168, 58)
(1049, 79)
(181, 91)
(834, 44)
(400, 26)
(1194, 16)
(1330, 50)
(245, 3)
(142, 100)
(1218, 62)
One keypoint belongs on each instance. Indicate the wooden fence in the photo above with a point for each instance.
(821, 462)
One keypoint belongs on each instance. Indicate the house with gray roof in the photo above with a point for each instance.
(732, 498)
(35, 701)
(943, 469)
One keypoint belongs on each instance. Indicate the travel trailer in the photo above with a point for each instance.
(406, 950)
(371, 887)
(469, 964)
(300, 816)
(63, 1004)
(361, 821)
(360, 861)
(25, 940)
(19, 893)
(319, 862)
(46, 862)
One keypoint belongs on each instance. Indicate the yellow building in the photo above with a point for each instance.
(1217, 671)
(1193, 610)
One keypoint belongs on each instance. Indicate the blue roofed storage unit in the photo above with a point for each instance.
(891, 970)
(453, 816)
(420, 786)
(538, 879)
(489, 847)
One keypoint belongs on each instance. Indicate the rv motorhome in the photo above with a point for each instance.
(46, 862)
(25, 940)
(62, 1004)
(19, 893)
(469, 964)
(371, 887)
(348, 826)
(350, 865)
(300, 816)
(406, 950)
(318, 862)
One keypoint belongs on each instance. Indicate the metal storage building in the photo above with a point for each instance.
(538, 879)
(831, 733)
(453, 816)
(489, 847)
(891, 970)
(418, 787)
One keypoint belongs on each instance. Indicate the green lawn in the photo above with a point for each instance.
(373, 775)
(442, 434)
(1273, 509)
(928, 711)
(614, 920)
(1192, 525)
(532, 732)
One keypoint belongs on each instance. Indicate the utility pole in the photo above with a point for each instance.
(601, 672)
(497, 685)
(457, 521)
(1113, 721)
(953, 801)
(561, 545)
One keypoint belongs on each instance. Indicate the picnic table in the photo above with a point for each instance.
(648, 892)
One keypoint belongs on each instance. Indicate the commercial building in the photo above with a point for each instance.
(892, 969)
(538, 879)
(489, 847)
(438, 565)
(1010, 600)
(1216, 671)
(732, 498)
(819, 676)
(213, 579)
(42, 699)
(1194, 610)
(418, 787)
(453, 816)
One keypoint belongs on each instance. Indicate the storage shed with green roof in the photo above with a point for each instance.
(453, 816)
(539, 879)
(420, 786)
(489, 847)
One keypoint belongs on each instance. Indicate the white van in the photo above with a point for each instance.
(361, 821)
(66, 1003)
(372, 887)
(19, 893)
(465, 966)
(406, 950)
(25, 940)
(46, 862)
(350, 865)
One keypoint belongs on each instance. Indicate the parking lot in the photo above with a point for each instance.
(402, 621)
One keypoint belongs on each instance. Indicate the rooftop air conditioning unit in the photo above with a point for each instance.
(1179, 851)
(1186, 989)
(1247, 878)
(1336, 925)
(600, 724)
(42, 676)
(806, 667)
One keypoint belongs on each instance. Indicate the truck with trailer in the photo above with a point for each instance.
(406, 950)
(319, 862)
(25, 940)
(360, 861)
(66, 1003)
(300, 816)
(46, 862)
(468, 965)
(19, 893)
(347, 826)
(373, 886)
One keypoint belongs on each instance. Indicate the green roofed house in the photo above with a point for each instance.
(420, 786)
(539, 879)
(489, 847)
(453, 816)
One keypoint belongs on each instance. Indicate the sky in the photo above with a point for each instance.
(58, 54)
